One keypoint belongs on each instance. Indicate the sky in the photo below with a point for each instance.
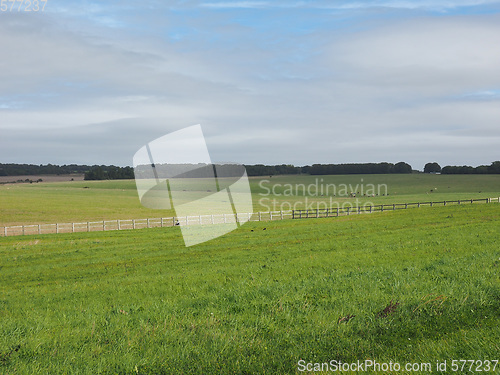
(271, 82)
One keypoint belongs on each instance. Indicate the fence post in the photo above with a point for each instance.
(57, 228)
(406, 206)
(337, 212)
(471, 201)
(259, 216)
(270, 215)
(147, 223)
(39, 229)
(118, 223)
(418, 204)
(23, 230)
(371, 208)
(212, 218)
(103, 225)
(394, 206)
(199, 218)
(281, 214)
(133, 223)
(72, 227)
(459, 201)
(5, 231)
(161, 222)
(88, 226)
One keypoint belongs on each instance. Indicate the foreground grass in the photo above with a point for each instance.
(81, 201)
(254, 301)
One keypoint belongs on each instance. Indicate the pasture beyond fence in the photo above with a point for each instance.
(94, 226)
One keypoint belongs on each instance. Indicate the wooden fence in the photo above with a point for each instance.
(106, 225)
(343, 211)
(94, 226)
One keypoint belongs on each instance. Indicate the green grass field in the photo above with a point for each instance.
(409, 286)
(110, 200)
(255, 301)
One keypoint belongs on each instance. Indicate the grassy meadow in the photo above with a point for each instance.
(410, 286)
(416, 285)
(77, 201)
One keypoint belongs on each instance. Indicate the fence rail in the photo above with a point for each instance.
(106, 225)
(343, 211)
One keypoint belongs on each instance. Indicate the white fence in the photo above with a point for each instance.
(95, 226)
(349, 209)
(99, 226)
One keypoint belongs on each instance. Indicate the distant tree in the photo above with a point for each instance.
(31, 169)
(494, 168)
(96, 172)
(432, 168)
(467, 169)
(110, 172)
(402, 167)
(271, 170)
(482, 169)
(449, 169)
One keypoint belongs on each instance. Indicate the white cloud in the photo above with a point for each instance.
(411, 89)
(484, 94)
(436, 5)
(425, 56)
(237, 4)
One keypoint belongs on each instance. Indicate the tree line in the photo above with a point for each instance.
(111, 172)
(434, 167)
(325, 169)
(33, 169)
(91, 172)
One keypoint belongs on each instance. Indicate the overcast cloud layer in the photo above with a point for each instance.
(270, 82)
